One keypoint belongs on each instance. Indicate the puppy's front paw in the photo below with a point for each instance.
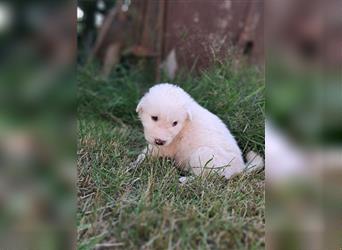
(133, 165)
(183, 179)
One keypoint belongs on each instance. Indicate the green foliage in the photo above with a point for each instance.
(147, 208)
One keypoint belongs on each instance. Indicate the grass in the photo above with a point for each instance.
(147, 208)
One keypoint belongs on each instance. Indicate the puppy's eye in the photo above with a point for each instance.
(154, 118)
(174, 124)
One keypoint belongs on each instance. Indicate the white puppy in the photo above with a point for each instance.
(176, 126)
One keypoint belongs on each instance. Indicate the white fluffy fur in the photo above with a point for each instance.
(200, 141)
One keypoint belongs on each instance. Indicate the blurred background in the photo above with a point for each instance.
(167, 34)
(37, 124)
(302, 52)
(303, 125)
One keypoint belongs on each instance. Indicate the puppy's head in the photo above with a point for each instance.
(164, 111)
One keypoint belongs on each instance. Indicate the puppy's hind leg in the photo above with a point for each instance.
(202, 161)
(234, 165)
(254, 162)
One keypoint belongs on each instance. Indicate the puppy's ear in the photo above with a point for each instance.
(189, 113)
(139, 106)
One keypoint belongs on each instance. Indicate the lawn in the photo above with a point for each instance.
(147, 208)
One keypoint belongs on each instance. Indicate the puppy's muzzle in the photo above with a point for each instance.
(159, 142)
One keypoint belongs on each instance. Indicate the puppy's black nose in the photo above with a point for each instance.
(159, 142)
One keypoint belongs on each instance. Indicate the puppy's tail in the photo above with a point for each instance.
(254, 162)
